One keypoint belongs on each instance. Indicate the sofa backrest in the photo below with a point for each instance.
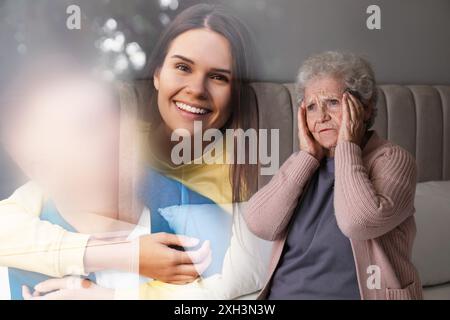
(414, 117)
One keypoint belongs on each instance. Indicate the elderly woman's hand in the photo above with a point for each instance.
(352, 127)
(307, 142)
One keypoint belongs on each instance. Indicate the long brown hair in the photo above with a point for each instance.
(243, 176)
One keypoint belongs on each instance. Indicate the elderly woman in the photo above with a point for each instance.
(341, 209)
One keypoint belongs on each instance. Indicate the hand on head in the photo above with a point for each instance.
(306, 140)
(351, 120)
(353, 115)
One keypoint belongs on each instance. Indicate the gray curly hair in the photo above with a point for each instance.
(355, 72)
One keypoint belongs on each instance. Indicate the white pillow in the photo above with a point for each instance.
(431, 252)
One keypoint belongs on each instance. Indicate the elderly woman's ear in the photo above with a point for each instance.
(307, 142)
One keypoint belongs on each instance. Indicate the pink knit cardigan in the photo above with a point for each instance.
(374, 208)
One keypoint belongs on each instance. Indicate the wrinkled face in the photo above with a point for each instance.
(323, 98)
(68, 140)
(194, 82)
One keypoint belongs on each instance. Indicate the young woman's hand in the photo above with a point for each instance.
(159, 261)
(155, 254)
(306, 140)
(69, 288)
(352, 126)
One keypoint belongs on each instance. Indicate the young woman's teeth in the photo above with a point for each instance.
(190, 109)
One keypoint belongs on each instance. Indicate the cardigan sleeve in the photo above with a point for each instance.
(269, 211)
(369, 202)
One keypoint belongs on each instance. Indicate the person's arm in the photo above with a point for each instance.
(150, 255)
(243, 272)
(270, 209)
(110, 254)
(370, 204)
(30, 244)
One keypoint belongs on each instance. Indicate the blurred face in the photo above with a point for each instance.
(68, 141)
(194, 82)
(323, 98)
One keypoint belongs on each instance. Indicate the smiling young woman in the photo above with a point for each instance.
(201, 69)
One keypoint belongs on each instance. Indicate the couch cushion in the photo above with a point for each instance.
(441, 292)
(431, 253)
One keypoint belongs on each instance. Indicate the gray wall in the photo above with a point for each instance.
(412, 47)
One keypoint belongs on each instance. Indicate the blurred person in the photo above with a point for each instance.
(200, 71)
(63, 132)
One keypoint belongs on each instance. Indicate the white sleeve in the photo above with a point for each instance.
(244, 271)
(245, 264)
